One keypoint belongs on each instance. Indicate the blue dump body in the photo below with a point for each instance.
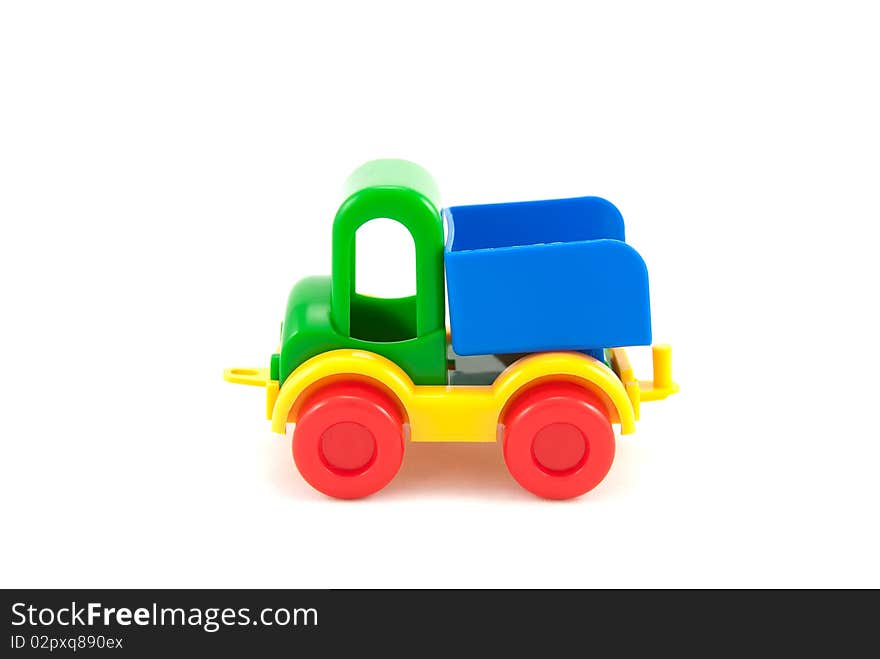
(543, 275)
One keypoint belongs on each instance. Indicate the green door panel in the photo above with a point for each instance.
(308, 331)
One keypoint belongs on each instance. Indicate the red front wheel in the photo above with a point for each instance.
(348, 440)
(558, 440)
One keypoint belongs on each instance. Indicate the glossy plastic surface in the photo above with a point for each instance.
(558, 441)
(543, 275)
(325, 313)
(453, 414)
(357, 374)
(348, 442)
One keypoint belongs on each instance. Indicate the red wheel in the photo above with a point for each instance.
(558, 441)
(348, 440)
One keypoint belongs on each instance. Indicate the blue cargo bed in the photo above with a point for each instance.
(543, 275)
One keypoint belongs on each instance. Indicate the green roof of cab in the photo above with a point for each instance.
(327, 313)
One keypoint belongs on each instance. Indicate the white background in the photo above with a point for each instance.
(169, 169)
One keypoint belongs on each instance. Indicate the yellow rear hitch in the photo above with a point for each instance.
(255, 377)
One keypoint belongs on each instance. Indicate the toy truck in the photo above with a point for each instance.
(543, 297)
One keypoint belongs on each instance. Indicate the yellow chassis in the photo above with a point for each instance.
(466, 413)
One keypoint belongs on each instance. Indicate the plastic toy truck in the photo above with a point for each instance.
(543, 296)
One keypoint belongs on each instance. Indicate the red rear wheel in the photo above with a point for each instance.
(348, 440)
(558, 441)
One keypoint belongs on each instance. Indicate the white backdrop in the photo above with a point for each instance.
(169, 169)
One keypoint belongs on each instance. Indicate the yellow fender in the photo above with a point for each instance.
(446, 413)
(576, 367)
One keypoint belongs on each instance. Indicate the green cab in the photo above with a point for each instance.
(326, 313)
